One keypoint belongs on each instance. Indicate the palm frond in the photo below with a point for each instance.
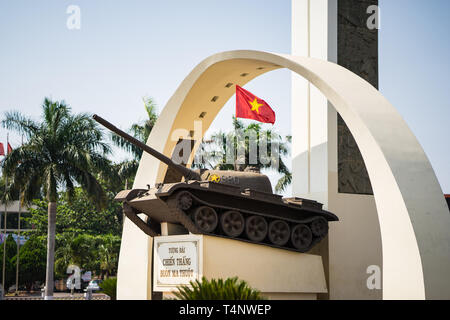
(217, 289)
(248, 145)
(18, 122)
(139, 130)
(62, 151)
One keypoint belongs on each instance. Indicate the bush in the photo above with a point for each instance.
(33, 259)
(230, 289)
(109, 287)
(10, 262)
(98, 254)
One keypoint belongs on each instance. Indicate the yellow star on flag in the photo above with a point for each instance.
(255, 105)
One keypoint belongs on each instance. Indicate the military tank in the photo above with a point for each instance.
(230, 204)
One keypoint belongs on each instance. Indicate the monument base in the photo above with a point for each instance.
(277, 273)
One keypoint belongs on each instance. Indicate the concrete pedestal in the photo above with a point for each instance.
(277, 273)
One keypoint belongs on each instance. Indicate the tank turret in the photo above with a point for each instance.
(231, 204)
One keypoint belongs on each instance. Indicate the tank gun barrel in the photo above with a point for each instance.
(188, 174)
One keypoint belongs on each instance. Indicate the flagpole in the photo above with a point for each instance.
(4, 233)
(18, 239)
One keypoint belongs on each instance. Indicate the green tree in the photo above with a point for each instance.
(230, 289)
(91, 253)
(10, 267)
(10, 193)
(32, 261)
(64, 253)
(141, 130)
(83, 248)
(78, 216)
(108, 254)
(81, 231)
(212, 153)
(61, 151)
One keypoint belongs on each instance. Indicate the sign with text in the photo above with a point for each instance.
(177, 260)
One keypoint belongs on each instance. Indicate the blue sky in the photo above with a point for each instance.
(129, 49)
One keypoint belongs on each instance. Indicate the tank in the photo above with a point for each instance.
(229, 204)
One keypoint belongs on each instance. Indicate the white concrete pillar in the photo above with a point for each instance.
(315, 160)
(314, 34)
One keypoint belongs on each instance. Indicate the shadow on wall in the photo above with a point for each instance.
(447, 197)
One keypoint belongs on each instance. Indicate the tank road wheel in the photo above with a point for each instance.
(232, 223)
(301, 237)
(256, 228)
(319, 227)
(279, 232)
(206, 219)
(184, 200)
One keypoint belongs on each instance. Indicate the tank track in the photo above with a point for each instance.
(198, 218)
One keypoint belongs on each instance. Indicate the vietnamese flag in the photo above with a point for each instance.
(9, 148)
(249, 106)
(2, 150)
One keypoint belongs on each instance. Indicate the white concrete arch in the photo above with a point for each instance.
(414, 218)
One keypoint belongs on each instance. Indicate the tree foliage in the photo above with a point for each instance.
(32, 261)
(62, 150)
(126, 170)
(109, 287)
(78, 216)
(8, 193)
(230, 289)
(91, 253)
(85, 236)
(108, 254)
(10, 267)
(140, 130)
(212, 153)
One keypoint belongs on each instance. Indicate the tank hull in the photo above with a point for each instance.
(235, 212)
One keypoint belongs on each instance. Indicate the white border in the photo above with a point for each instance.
(178, 238)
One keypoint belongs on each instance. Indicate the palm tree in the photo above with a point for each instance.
(64, 253)
(230, 289)
(140, 131)
(212, 153)
(127, 170)
(108, 256)
(7, 193)
(61, 151)
(109, 287)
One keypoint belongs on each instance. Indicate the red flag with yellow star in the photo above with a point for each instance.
(249, 106)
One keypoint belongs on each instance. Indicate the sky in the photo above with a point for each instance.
(125, 50)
